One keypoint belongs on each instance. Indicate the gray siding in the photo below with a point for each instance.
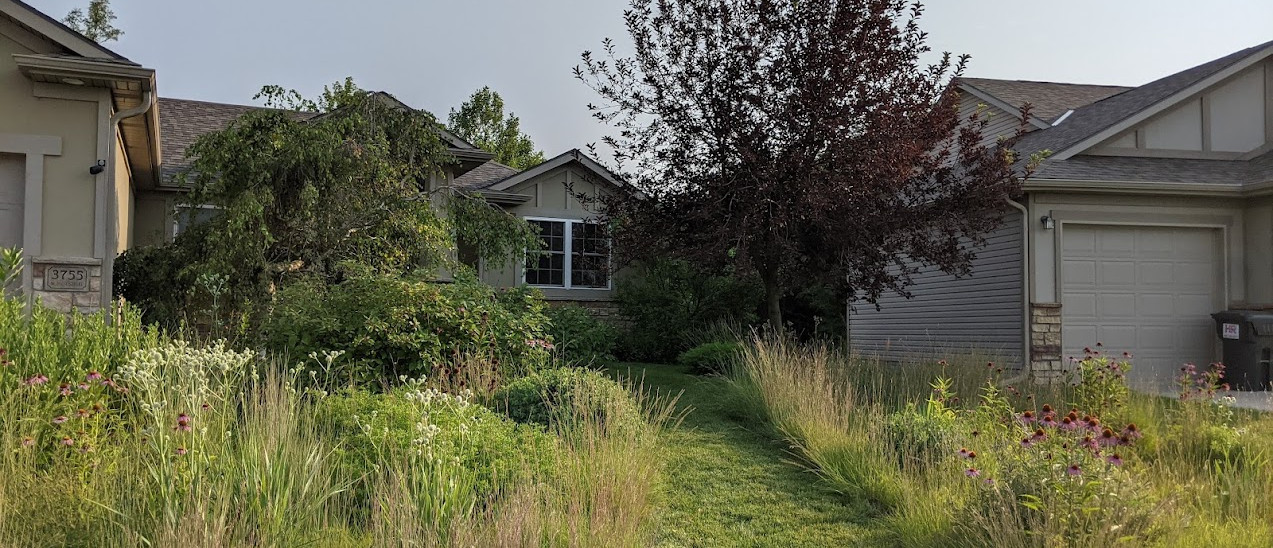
(983, 312)
(1002, 123)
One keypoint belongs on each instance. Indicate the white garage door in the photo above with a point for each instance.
(12, 191)
(1145, 290)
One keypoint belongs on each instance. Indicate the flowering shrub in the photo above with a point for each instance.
(391, 326)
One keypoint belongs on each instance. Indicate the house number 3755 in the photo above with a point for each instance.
(74, 278)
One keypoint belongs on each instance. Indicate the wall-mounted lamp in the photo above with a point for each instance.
(1048, 222)
(100, 167)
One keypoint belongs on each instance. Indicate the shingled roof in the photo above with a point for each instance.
(1048, 100)
(182, 121)
(485, 176)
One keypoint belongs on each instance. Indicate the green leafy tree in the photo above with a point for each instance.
(481, 121)
(304, 193)
(97, 23)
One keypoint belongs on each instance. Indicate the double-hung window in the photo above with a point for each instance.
(187, 216)
(573, 255)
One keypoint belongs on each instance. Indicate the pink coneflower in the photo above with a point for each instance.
(84, 448)
(67, 441)
(1040, 435)
(93, 376)
(1073, 470)
(183, 423)
(1026, 417)
(989, 481)
(64, 390)
(1114, 459)
(206, 406)
(1048, 421)
(82, 413)
(1108, 438)
(36, 380)
(963, 452)
(1047, 408)
(972, 472)
(1026, 443)
(181, 451)
(1068, 424)
(1090, 443)
(28, 441)
(60, 419)
(82, 387)
(1093, 423)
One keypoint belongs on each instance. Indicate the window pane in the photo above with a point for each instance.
(590, 256)
(548, 268)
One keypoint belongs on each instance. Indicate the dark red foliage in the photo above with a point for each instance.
(803, 141)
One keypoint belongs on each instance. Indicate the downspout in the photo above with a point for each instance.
(1025, 293)
(112, 205)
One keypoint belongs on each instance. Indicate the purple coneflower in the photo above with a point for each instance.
(93, 376)
(1108, 438)
(1026, 443)
(82, 413)
(1048, 421)
(82, 387)
(183, 423)
(67, 441)
(97, 408)
(28, 441)
(1090, 443)
(59, 419)
(181, 451)
(1068, 424)
(1026, 417)
(64, 390)
(1073, 470)
(972, 472)
(206, 406)
(963, 452)
(36, 380)
(1114, 459)
(1040, 435)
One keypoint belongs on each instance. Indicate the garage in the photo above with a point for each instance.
(1145, 290)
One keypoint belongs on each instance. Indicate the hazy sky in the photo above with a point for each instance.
(433, 54)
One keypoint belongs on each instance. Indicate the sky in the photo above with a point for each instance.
(433, 54)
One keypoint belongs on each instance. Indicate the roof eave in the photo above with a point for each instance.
(57, 31)
(1158, 188)
(1002, 105)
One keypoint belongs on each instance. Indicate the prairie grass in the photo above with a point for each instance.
(1201, 472)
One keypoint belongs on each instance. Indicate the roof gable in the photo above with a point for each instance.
(72, 42)
(573, 156)
(1099, 121)
(1049, 101)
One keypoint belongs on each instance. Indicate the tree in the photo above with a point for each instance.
(97, 24)
(308, 187)
(802, 141)
(481, 121)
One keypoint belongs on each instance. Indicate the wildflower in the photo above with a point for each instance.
(1108, 438)
(1073, 470)
(93, 376)
(1048, 421)
(1026, 443)
(183, 423)
(1124, 440)
(36, 380)
(976, 433)
(86, 448)
(64, 390)
(1093, 423)
(1026, 417)
(1114, 459)
(972, 454)
(28, 441)
(989, 481)
(1090, 443)
(942, 363)
(181, 451)
(972, 472)
(1068, 424)
(97, 407)
(206, 406)
(1047, 409)
(82, 413)
(1040, 435)
(82, 387)
(59, 419)
(67, 441)
(963, 452)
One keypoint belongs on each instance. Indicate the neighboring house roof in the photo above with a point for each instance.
(1099, 118)
(485, 176)
(571, 156)
(1048, 100)
(57, 32)
(182, 121)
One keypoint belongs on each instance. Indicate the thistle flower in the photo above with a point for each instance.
(1073, 470)
(972, 472)
(60, 419)
(1114, 459)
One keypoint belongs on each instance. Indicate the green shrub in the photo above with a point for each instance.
(580, 338)
(555, 397)
(671, 299)
(390, 326)
(921, 439)
(712, 357)
(374, 429)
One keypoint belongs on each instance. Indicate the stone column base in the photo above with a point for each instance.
(67, 283)
(1047, 365)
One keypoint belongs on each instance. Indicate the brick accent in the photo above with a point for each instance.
(1046, 363)
(86, 302)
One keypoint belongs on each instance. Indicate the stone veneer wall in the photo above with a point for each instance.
(603, 310)
(84, 301)
(1046, 363)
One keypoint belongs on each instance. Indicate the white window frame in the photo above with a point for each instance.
(176, 213)
(567, 266)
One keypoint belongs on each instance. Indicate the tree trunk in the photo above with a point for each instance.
(773, 299)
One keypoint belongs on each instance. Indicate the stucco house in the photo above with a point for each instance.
(78, 139)
(1153, 210)
(89, 158)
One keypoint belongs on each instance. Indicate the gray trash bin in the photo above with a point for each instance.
(1248, 347)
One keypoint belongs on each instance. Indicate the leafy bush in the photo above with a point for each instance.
(391, 326)
(377, 428)
(558, 396)
(712, 357)
(580, 338)
(920, 438)
(672, 298)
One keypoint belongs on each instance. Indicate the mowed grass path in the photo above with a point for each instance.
(728, 483)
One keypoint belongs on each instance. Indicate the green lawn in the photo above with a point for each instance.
(727, 483)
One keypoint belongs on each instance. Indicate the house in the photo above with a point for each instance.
(1153, 210)
(78, 139)
(90, 157)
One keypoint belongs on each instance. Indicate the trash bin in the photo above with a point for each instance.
(1248, 347)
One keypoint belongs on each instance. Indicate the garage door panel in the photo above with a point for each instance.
(1152, 294)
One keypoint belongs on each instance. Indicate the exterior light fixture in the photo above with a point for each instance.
(1048, 222)
(73, 81)
(100, 167)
